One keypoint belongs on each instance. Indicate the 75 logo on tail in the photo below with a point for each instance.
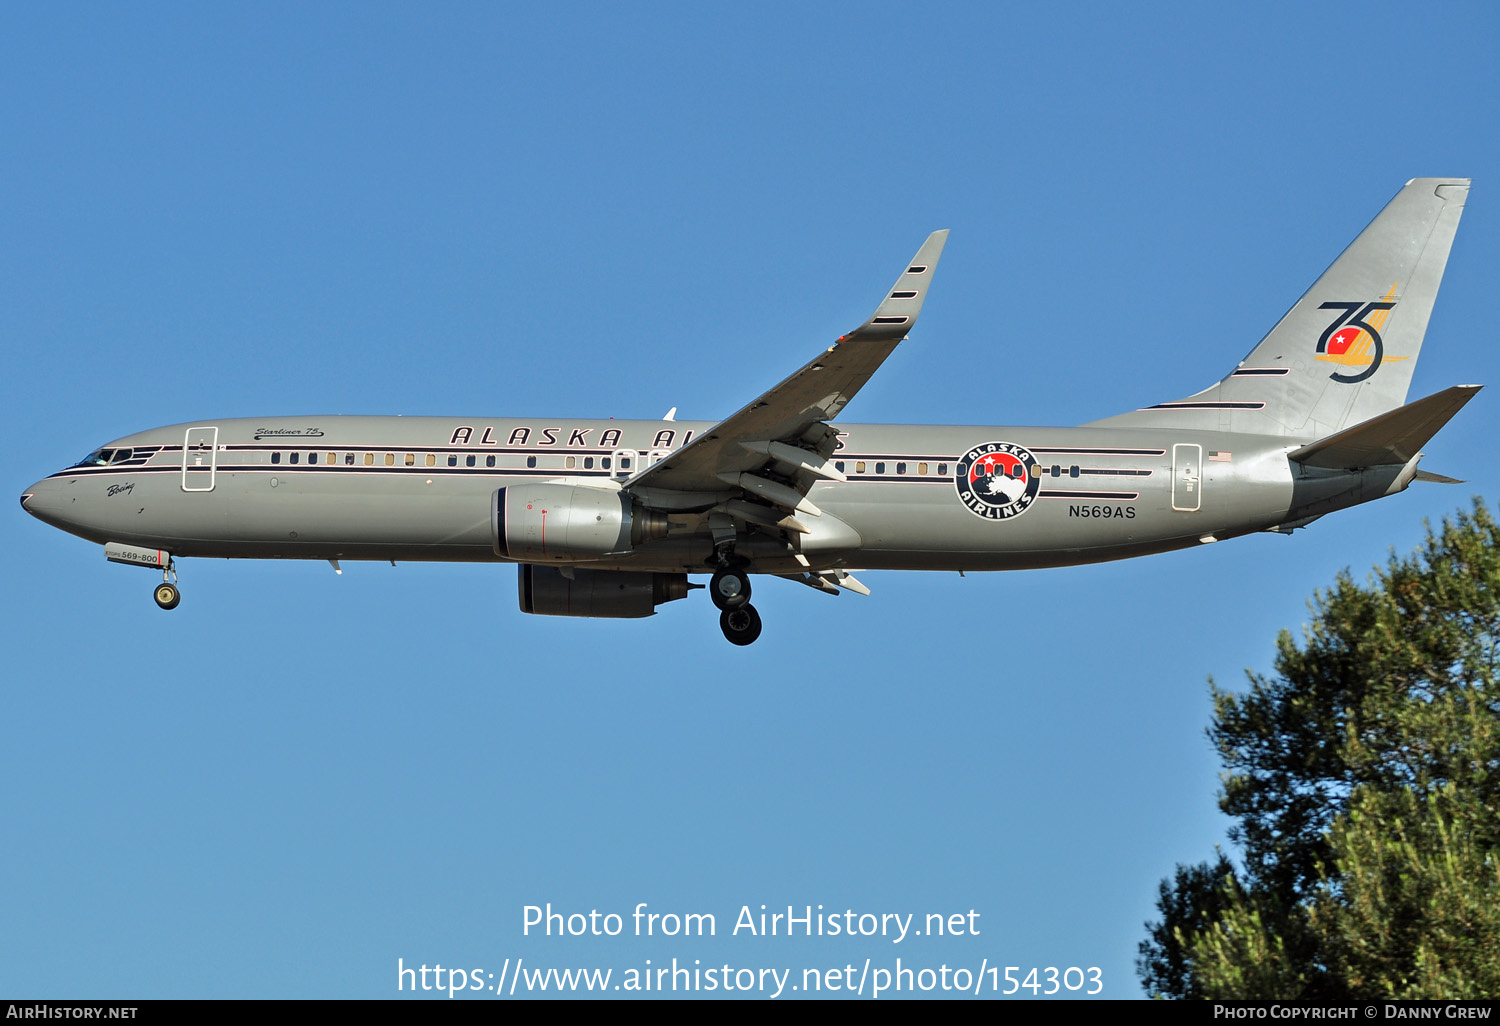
(1353, 339)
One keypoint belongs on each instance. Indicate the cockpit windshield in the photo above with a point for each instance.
(105, 457)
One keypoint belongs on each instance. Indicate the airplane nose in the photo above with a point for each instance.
(34, 499)
(59, 502)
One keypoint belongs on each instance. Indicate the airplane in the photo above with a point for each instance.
(610, 518)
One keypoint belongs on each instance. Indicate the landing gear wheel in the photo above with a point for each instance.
(740, 625)
(730, 589)
(167, 596)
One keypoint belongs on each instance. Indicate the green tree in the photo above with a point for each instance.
(1364, 778)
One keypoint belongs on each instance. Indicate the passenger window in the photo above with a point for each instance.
(348, 459)
(469, 461)
(942, 469)
(275, 457)
(531, 462)
(295, 456)
(901, 468)
(588, 463)
(312, 458)
(1073, 471)
(390, 459)
(839, 466)
(921, 468)
(859, 466)
(431, 460)
(570, 462)
(411, 459)
(452, 461)
(880, 468)
(333, 459)
(489, 461)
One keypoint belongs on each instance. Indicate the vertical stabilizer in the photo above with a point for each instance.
(1346, 351)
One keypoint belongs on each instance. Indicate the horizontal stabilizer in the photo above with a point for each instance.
(1431, 478)
(1392, 438)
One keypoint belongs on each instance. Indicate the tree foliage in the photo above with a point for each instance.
(1364, 778)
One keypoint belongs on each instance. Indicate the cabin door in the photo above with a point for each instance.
(199, 452)
(1187, 477)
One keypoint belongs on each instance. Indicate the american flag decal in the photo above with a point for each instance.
(1220, 457)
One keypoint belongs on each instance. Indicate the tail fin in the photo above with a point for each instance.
(1346, 351)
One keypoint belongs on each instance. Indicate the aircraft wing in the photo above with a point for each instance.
(775, 448)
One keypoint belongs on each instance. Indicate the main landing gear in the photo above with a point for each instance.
(730, 591)
(741, 625)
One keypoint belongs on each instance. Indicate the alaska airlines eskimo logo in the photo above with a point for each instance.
(997, 480)
(1353, 339)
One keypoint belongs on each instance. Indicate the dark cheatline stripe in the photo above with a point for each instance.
(900, 479)
(1260, 372)
(288, 469)
(1097, 452)
(849, 456)
(285, 470)
(1050, 493)
(845, 456)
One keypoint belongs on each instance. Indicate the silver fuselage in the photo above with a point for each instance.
(421, 488)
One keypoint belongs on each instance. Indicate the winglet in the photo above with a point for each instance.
(896, 314)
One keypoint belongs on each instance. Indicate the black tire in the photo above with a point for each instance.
(729, 589)
(167, 596)
(740, 625)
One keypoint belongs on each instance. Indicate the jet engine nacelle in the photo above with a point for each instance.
(611, 593)
(550, 521)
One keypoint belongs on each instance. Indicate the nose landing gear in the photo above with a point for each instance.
(167, 594)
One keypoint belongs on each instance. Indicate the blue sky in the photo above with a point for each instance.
(295, 779)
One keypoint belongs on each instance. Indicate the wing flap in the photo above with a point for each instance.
(830, 582)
